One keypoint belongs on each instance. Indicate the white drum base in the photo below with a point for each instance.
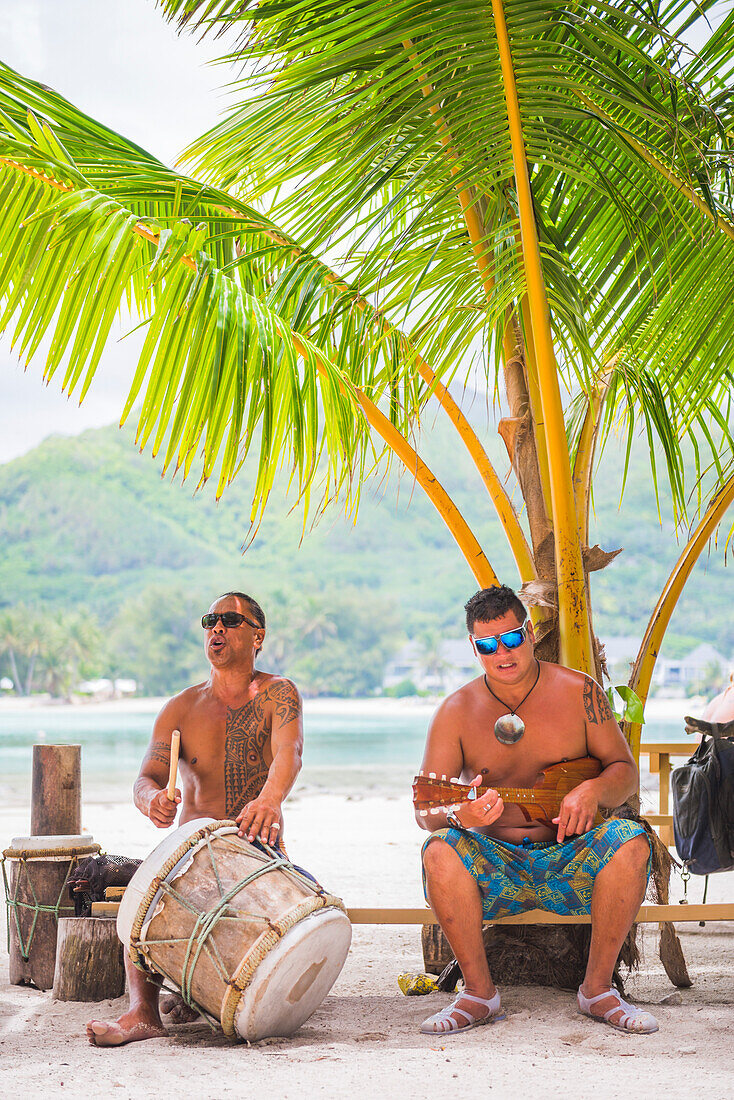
(294, 977)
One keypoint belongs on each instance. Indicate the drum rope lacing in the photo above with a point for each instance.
(199, 939)
(14, 904)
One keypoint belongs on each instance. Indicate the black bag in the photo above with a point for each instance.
(703, 807)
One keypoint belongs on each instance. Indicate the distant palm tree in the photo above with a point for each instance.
(11, 644)
(400, 194)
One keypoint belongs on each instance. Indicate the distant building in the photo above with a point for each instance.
(451, 663)
(690, 671)
(102, 689)
(440, 670)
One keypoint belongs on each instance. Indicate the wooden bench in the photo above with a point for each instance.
(659, 754)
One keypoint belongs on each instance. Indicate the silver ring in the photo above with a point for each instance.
(275, 825)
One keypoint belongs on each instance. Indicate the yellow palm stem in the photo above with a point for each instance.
(505, 511)
(672, 177)
(584, 463)
(575, 635)
(645, 664)
(450, 514)
(467, 198)
(472, 219)
(536, 405)
(436, 493)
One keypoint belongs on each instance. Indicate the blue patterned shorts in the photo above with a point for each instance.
(559, 878)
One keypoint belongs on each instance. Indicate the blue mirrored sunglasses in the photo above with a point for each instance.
(511, 639)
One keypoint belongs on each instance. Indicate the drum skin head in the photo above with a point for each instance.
(137, 888)
(295, 976)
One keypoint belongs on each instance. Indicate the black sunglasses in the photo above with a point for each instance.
(228, 619)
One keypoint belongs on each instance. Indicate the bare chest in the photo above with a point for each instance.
(227, 750)
(549, 738)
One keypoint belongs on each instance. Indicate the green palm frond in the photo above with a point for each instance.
(338, 118)
(218, 372)
(338, 132)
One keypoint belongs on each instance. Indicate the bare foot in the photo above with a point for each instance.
(128, 1029)
(173, 1005)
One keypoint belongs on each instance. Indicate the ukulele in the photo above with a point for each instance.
(541, 802)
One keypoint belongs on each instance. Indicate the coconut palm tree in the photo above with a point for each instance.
(401, 198)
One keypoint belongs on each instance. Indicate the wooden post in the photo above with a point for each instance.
(89, 960)
(56, 790)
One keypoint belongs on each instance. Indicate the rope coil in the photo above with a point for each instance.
(13, 904)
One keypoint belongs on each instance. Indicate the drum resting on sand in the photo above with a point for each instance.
(244, 935)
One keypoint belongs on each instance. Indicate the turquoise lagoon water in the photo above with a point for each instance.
(347, 746)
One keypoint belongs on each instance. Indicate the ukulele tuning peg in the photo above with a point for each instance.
(455, 779)
(421, 773)
(444, 778)
(431, 775)
(435, 809)
(423, 813)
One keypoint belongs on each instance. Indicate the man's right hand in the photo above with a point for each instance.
(161, 811)
(481, 811)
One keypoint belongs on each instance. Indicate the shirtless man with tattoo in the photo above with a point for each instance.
(241, 742)
(484, 860)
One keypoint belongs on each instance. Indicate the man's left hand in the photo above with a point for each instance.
(261, 818)
(577, 813)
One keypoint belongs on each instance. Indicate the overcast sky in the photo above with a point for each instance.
(121, 63)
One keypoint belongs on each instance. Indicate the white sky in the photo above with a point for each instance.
(121, 63)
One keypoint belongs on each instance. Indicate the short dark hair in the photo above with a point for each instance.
(492, 603)
(254, 606)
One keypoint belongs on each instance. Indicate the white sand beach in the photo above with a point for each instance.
(364, 1040)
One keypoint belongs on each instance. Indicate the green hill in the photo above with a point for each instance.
(87, 523)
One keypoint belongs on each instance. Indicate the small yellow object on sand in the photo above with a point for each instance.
(417, 985)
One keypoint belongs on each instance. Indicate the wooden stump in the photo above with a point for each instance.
(56, 790)
(89, 960)
(437, 951)
(44, 879)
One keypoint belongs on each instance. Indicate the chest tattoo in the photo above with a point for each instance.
(245, 770)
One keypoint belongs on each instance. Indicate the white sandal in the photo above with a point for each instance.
(443, 1022)
(634, 1020)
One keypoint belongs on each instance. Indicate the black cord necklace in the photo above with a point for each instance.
(509, 728)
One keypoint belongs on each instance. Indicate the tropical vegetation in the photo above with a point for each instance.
(400, 197)
(91, 534)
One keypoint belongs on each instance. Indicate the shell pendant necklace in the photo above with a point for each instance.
(509, 728)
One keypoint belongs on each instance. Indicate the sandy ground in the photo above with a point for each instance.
(364, 1040)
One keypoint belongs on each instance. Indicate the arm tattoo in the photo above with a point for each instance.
(596, 703)
(245, 770)
(286, 700)
(160, 752)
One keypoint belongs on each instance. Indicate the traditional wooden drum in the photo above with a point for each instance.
(248, 939)
(36, 897)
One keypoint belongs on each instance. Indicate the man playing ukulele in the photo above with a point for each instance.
(241, 741)
(484, 860)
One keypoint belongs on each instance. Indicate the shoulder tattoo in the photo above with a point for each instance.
(285, 699)
(160, 752)
(596, 703)
(245, 771)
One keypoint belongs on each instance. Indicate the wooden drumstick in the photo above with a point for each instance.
(175, 742)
